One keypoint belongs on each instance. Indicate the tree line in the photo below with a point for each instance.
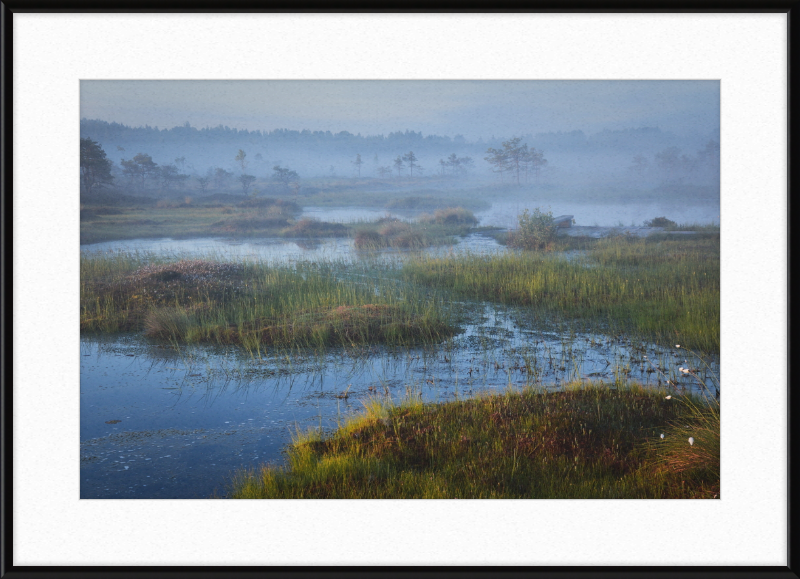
(97, 171)
(671, 165)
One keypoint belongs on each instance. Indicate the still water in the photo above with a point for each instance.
(157, 422)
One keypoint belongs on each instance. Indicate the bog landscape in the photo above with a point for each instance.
(327, 289)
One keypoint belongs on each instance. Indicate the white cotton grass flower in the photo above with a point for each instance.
(668, 398)
(662, 435)
(677, 345)
(691, 441)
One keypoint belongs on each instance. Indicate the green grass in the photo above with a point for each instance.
(588, 441)
(660, 289)
(142, 222)
(263, 217)
(251, 304)
(440, 228)
(394, 194)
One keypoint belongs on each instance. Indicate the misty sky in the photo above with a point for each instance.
(471, 108)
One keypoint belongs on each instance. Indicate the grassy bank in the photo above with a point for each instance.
(190, 218)
(250, 304)
(660, 289)
(439, 228)
(265, 217)
(598, 441)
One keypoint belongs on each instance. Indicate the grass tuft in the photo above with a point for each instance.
(587, 441)
(251, 304)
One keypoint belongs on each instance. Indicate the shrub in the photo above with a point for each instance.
(536, 230)
(660, 222)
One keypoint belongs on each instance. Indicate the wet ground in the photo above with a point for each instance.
(158, 423)
(163, 423)
(597, 232)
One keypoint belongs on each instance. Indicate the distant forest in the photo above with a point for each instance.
(643, 156)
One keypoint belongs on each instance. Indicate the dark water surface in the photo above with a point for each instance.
(157, 422)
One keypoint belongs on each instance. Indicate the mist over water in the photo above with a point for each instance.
(189, 179)
(506, 213)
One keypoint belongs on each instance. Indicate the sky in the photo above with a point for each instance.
(473, 109)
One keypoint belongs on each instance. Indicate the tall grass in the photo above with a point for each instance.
(588, 441)
(664, 290)
(251, 304)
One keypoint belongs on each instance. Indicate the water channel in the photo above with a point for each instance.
(161, 422)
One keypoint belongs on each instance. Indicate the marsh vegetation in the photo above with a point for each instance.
(547, 372)
(586, 441)
(278, 314)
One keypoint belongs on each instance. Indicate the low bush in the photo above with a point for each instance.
(660, 222)
(536, 230)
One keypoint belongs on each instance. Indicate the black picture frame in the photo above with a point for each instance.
(7, 566)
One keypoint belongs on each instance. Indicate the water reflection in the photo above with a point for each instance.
(181, 420)
(165, 422)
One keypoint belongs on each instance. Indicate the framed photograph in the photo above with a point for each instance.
(290, 237)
